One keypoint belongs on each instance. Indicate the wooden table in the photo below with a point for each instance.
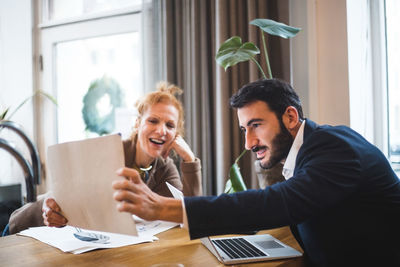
(174, 247)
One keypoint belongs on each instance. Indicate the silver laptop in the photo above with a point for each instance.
(249, 248)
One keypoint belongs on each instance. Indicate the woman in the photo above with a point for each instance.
(158, 130)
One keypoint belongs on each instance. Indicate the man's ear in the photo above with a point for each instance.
(291, 119)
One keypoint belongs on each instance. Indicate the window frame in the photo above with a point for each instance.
(380, 77)
(46, 22)
(395, 164)
(48, 35)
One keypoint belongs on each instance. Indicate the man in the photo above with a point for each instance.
(341, 196)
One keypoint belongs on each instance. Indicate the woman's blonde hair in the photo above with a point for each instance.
(165, 94)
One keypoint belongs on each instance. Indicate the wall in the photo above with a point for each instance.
(15, 75)
(320, 59)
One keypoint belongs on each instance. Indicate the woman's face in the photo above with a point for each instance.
(157, 129)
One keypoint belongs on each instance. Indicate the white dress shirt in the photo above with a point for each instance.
(287, 171)
(290, 162)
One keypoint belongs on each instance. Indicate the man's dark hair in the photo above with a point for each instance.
(276, 93)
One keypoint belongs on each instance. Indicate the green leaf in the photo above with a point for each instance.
(4, 113)
(233, 51)
(52, 99)
(275, 28)
(235, 182)
(240, 156)
(236, 179)
(228, 187)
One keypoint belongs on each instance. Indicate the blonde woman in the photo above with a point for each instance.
(158, 131)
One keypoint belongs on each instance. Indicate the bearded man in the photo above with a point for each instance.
(341, 197)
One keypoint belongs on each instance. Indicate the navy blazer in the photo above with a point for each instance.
(342, 203)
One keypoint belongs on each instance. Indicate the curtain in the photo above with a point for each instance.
(191, 33)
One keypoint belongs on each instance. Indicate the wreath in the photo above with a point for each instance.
(94, 121)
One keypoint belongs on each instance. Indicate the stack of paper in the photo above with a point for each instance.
(65, 240)
(69, 239)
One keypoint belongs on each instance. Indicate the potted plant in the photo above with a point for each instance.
(232, 52)
(31, 168)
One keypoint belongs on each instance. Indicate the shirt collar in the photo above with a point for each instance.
(290, 162)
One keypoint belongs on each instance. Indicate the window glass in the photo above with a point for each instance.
(109, 61)
(393, 66)
(64, 9)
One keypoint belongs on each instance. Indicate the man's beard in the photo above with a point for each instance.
(280, 147)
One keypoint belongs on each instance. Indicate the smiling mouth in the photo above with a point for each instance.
(157, 141)
(260, 152)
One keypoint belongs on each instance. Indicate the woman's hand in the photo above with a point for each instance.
(181, 148)
(52, 213)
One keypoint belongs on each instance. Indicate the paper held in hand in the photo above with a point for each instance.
(81, 176)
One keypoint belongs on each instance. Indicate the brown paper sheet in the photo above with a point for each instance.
(81, 176)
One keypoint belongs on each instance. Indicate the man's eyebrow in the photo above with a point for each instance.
(253, 120)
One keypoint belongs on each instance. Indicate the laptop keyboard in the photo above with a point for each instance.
(237, 248)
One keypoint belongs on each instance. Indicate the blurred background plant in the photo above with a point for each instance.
(11, 196)
(6, 114)
(232, 52)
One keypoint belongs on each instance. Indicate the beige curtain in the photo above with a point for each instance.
(191, 33)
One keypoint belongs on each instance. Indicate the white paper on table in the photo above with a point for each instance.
(151, 228)
(64, 239)
(81, 176)
(155, 227)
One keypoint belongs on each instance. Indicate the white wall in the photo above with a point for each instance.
(338, 64)
(16, 58)
(320, 59)
(16, 81)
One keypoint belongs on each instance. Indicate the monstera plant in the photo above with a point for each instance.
(232, 52)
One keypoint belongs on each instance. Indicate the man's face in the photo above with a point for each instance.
(265, 134)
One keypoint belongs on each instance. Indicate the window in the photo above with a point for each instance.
(85, 43)
(392, 10)
(79, 63)
(374, 67)
(66, 9)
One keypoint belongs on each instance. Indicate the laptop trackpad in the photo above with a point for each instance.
(268, 244)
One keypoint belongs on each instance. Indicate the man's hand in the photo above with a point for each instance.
(181, 148)
(52, 213)
(135, 197)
